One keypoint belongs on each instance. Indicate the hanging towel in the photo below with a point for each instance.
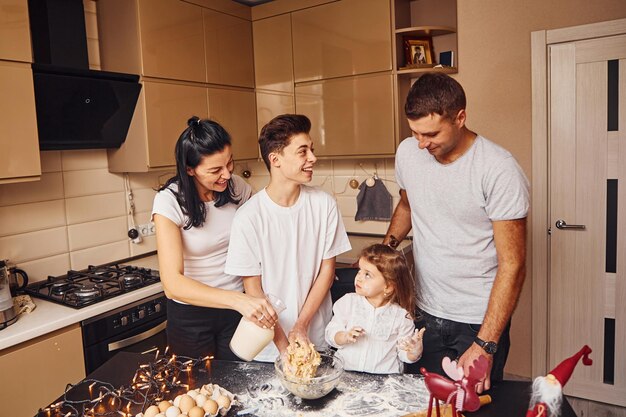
(374, 203)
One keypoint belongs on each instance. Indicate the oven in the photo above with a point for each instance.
(137, 327)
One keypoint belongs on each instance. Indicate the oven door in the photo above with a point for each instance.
(138, 328)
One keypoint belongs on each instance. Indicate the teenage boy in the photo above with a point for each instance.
(284, 240)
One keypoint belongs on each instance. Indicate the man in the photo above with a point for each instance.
(466, 200)
(284, 240)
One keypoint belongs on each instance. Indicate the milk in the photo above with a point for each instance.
(250, 339)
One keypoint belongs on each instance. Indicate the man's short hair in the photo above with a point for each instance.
(277, 134)
(434, 92)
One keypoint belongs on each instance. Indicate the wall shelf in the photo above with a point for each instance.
(426, 31)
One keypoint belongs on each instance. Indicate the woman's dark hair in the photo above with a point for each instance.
(393, 267)
(277, 133)
(201, 138)
(434, 92)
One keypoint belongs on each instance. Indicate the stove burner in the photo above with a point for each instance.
(88, 291)
(131, 280)
(61, 287)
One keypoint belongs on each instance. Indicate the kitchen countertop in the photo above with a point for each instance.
(357, 394)
(48, 316)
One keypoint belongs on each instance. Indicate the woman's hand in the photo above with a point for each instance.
(257, 310)
(350, 336)
(413, 345)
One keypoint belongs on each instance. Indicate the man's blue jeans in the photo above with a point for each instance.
(451, 338)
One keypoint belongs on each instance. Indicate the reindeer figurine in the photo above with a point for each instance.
(459, 393)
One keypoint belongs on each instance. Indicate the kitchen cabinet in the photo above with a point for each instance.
(160, 117)
(228, 43)
(273, 57)
(271, 104)
(344, 38)
(350, 116)
(162, 39)
(14, 31)
(235, 110)
(19, 140)
(35, 372)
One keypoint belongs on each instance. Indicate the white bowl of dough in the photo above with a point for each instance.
(325, 380)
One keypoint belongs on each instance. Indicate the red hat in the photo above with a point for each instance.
(564, 370)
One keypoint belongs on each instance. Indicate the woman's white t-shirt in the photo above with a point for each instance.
(205, 247)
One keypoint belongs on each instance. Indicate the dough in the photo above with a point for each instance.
(302, 360)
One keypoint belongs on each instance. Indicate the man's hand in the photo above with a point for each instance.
(467, 360)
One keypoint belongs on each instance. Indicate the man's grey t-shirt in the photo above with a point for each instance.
(452, 207)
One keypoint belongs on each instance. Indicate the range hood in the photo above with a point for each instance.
(77, 108)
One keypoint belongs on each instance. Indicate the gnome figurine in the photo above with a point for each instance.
(547, 395)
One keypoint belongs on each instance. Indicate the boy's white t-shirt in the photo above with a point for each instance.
(205, 247)
(286, 245)
(376, 351)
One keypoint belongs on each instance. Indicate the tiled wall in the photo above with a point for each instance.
(77, 214)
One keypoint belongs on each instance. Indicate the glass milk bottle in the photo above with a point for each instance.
(250, 339)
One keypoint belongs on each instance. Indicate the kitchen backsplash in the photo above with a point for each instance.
(77, 214)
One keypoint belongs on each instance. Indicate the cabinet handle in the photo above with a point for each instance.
(137, 338)
(560, 224)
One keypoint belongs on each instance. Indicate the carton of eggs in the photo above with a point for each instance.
(207, 401)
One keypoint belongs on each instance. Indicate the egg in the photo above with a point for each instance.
(151, 411)
(196, 412)
(200, 399)
(173, 411)
(210, 406)
(186, 403)
(160, 415)
(207, 390)
(164, 405)
(223, 401)
(177, 400)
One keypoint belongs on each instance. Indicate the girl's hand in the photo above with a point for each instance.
(350, 336)
(257, 310)
(413, 345)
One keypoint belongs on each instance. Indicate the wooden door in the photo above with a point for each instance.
(587, 187)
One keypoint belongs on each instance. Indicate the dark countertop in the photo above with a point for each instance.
(358, 393)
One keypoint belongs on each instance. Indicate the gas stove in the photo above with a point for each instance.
(80, 289)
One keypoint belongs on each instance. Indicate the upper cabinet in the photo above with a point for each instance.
(19, 140)
(273, 58)
(343, 38)
(229, 56)
(14, 31)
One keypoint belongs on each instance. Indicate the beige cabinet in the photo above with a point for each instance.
(35, 373)
(350, 116)
(340, 39)
(229, 57)
(14, 31)
(19, 140)
(270, 105)
(235, 110)
(273, 57)
(160, 117)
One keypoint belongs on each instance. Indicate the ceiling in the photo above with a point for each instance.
(252, 2)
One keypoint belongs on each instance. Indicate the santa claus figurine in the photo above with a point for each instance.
(547, 395)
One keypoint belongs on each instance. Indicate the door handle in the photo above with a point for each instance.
(560, 224)
(137, 338)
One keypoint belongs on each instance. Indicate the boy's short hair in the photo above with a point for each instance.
(434, 92)
(277, 133)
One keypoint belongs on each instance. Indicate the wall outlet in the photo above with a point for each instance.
(147, 229)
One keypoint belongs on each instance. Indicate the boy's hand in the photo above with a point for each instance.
(413, 345)
(350, 336)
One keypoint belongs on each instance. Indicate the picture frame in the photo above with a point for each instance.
(418, 51)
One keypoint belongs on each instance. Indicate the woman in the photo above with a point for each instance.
(193, 213)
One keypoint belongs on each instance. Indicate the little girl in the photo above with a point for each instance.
(373, 328)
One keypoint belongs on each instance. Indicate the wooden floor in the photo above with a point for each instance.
(584, 408)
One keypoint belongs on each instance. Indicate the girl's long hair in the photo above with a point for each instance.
(393, 266)
(200, 138)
